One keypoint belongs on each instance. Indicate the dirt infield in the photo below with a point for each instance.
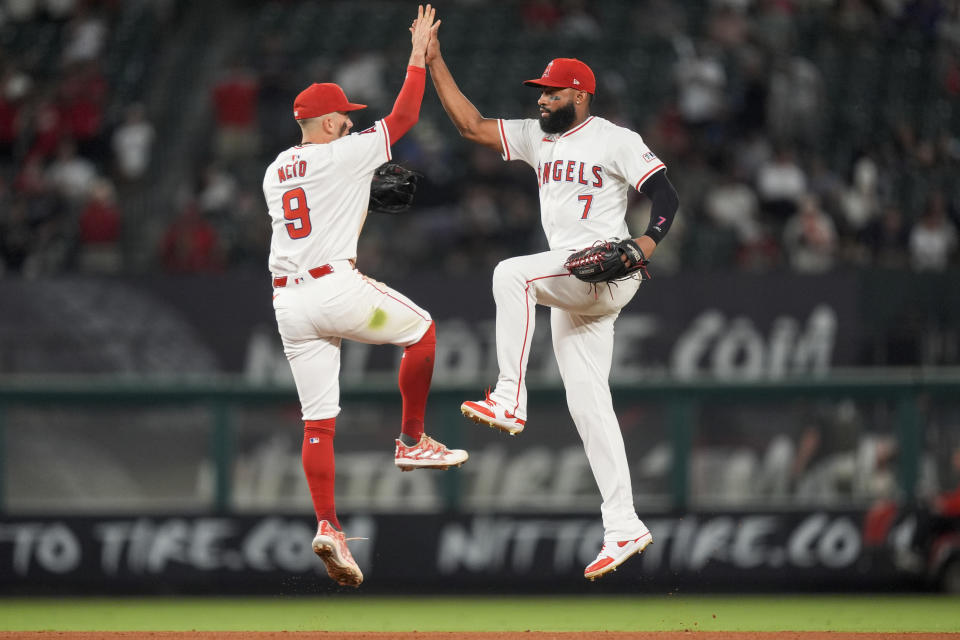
(499, 635)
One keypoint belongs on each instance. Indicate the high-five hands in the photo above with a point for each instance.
(421, 30)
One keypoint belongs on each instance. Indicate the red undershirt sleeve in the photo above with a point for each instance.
(406, 110)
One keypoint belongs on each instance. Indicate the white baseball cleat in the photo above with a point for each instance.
(331, 546)
(488, 412)
(614, 553)
(428, 454)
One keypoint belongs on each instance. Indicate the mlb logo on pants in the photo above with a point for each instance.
(314, 440)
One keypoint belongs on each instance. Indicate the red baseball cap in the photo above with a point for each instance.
(320, 99)
(566, 73)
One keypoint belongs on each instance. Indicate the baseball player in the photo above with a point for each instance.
(317, 194)
(585, 166)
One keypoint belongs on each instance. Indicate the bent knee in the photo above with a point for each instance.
(507, 273)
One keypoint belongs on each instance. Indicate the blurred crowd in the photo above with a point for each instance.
(70, 148)
(775, 170)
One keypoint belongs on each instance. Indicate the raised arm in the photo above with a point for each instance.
(406, 110)
(422, 29)
(466, 118)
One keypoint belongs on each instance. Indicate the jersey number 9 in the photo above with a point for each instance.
(296, 210)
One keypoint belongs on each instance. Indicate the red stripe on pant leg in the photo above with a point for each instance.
(397, 299)
(526, 328)
(523, 348)
(319, 467)
(416, 372)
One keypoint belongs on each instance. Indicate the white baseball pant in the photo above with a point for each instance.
(582, 319)
(315, 314)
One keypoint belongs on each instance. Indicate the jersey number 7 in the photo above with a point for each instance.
(587, 201)
(296, 210)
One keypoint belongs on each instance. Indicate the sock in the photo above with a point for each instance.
(408, 441)
(416, 372)
(319, 467)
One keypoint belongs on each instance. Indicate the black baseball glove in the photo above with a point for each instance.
(602, 262)
(392, 188)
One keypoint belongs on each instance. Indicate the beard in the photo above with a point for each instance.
(560, 120)
(343, 129)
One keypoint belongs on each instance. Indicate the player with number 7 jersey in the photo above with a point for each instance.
(585, 167)
(317, 194)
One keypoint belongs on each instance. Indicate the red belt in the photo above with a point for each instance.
(316, 272)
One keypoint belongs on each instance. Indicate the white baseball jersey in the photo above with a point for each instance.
(584, 175)
(317, 196)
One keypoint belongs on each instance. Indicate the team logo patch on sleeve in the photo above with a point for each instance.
(649, 156)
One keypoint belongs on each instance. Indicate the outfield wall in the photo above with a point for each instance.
(114, 487)
(482, 553)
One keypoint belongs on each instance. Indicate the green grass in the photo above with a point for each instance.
(360, 613)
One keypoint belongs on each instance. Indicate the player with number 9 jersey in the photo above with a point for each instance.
(317, 194)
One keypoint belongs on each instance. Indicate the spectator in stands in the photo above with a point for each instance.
(781, 183)
(361, 75)
(132, 144)
(540, 15)
(31, 180)
(480, 213)
(949, 27)
(760, 251)
(827, 185)
(854, 19)
(860, 203)
(733, 204)
(658, 18)
(82, 96)
(15, 87)
(278, 89)
(250, 231)
(749, 99)
(774, 25)
(937, 521)
(701, 85)
(752, 151)
(947, 504)
(190, 244)
(727, 25)
(933, 241)
(15, 235)
(70, 174)
(885, 240)
(810, 238)
(217, 192)
(99, 237)
(86, 35)
(20, 10)
(578, 23)
(46, 127)
(796, 102)
(752, 100)
(667, 131)
(60, 10)
(6, 222)
(235, 109)
(825, 465)
(39, 227)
